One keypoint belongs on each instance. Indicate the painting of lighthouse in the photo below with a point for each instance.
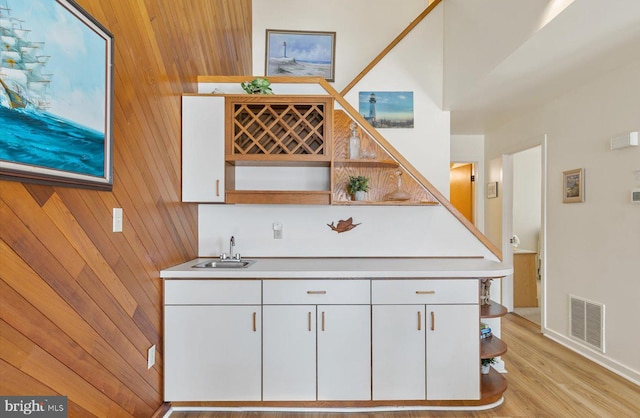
(297, 53)
(387, 109)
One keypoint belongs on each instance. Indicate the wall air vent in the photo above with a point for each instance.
(586, 322)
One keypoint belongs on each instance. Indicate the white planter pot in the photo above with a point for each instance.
(484, 369)
(359, 195)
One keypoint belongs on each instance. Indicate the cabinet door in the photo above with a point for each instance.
(212, 353)
(203, 164)
(453, 348)
(289, 353)
(398, 352)
(344, 352)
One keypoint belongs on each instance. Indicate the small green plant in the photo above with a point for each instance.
(257, 86)
(358, 184)
(488, 361)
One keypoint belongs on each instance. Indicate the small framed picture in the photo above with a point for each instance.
(573, 186)
(492, 190)
(300, 53)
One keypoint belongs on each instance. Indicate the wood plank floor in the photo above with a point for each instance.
(545, 380)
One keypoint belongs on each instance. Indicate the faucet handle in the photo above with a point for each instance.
(224, 256)
(237, 257)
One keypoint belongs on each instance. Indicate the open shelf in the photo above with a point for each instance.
(493, 386)
(492, 347)
(384, 203)
(367, 163)
(495, 310)
(281, 197)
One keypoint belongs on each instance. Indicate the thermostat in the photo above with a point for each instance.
(635, 196)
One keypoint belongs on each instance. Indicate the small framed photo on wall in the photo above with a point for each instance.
(573, 186)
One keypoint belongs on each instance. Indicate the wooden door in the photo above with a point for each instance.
(461, 189)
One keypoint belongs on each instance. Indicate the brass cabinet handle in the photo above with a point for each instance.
(309, 321)
(218, 187)
(316, 292)
(425, 292)
(419, 321)
(255, 327)
(433, 321)
(323, 321)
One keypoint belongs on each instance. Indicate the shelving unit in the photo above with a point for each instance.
(381, 169)
(493, 384)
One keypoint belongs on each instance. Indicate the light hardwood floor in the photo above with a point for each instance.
(545, 380)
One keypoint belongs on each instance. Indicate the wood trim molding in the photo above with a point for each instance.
(389, 47)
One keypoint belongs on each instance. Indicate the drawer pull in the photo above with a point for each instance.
(323, 321)
(255, 326)
(419, 321)
(433, 321)
(316, 292)
(425, 292)
(309, 321)
(218, 187)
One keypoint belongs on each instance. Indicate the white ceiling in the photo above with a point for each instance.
(502, 57)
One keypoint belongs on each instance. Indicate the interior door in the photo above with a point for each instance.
(461, 189)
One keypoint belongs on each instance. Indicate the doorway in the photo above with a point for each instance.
(526, 232)
(462, 189)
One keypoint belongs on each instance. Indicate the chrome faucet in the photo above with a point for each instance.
(232, 244)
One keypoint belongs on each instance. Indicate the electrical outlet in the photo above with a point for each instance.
(277, 230)
(151, 356)
(117, 219)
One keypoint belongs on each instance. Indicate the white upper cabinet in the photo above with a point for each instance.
(203, 163)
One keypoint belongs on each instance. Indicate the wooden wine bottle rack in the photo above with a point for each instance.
(279, 129)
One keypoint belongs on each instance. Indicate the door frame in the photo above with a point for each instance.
(507, 224)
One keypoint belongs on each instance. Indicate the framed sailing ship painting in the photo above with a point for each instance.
(56, 95)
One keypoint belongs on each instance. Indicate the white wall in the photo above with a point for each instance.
(363, 28)
(470, 149)
(527, 190)
(593, 248)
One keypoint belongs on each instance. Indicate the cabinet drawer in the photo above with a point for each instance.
(212, 292)
(314, 292)
(424, 291)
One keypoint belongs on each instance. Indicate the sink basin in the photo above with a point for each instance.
(227, 264)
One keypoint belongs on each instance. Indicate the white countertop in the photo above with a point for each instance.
(344, 268)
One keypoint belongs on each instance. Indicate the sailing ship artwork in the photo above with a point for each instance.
(55, 94)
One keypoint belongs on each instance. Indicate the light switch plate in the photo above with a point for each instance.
(117, 219)
(277, 230)
(151, 356)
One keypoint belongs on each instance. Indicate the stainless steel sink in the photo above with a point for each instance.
(226, 264)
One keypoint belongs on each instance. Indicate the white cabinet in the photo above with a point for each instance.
(425, 351)
(316, 351)
(203, 164)
(212, 352)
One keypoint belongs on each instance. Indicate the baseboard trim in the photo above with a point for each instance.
(620, 369)
(372, 409)
(162, 410)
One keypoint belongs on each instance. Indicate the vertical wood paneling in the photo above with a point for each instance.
(79, 304)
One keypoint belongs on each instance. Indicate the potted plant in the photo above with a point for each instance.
(257, 86)
(358, 186)
(486, 363)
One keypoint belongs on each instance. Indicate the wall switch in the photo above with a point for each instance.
(151, 356)
(117, 219)
(277, 230)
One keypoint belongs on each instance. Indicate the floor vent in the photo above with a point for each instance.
(586, 320)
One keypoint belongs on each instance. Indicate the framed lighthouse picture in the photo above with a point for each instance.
(300, 53)
(387, 109)
(56, 94)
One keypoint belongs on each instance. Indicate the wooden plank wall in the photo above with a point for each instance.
(79, 304)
